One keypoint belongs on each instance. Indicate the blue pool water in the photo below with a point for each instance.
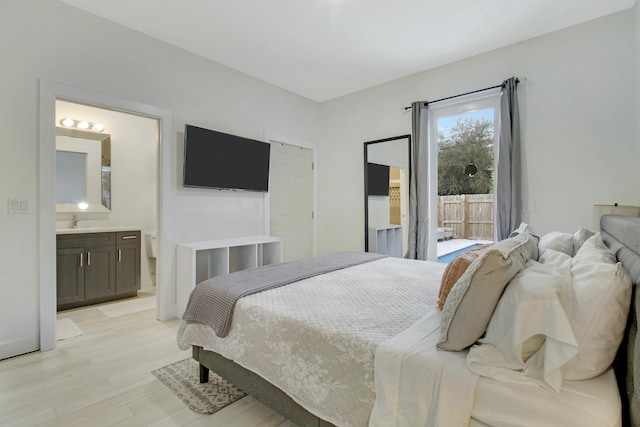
(445, 259)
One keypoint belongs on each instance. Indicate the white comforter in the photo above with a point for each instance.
(316, 339)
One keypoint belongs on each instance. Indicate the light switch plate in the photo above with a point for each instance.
(18, 205)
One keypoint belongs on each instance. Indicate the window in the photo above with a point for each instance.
(462, 132)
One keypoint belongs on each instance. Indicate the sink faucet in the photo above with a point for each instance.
(75, 221)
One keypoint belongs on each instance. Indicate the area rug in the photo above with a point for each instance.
(128, 306)
(66, 328)
(183, 379)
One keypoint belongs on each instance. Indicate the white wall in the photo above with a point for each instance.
(134, 169)
(55, 42)
(636, 14)
(578, 108)
(578, 126)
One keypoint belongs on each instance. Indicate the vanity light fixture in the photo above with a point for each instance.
(82, 124)
(83, 206)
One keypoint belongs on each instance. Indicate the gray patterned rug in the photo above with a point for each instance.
(182, 378)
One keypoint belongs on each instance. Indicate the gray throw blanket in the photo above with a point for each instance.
(212, 301)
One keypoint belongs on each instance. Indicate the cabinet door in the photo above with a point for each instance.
(70, 275)
(128, 268)
(100, 277)
(128, 261)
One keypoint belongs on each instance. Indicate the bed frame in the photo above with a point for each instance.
(620, 233)
(256, 386)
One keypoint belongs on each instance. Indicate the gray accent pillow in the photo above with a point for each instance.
(524, 228)
(472, 300)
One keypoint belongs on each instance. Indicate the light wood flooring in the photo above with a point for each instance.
(103, 378)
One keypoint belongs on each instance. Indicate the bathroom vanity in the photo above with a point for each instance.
(97, 264)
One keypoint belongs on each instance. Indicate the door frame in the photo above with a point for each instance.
(275, 139)
(49, 93)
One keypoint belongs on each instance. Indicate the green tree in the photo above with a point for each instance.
(470, 142)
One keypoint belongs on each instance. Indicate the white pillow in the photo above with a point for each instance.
(555, 258)
(601, 299)
(594, 249)
(558, 241)
(529, 337)
(470, 303)
(560, 261)
(579, 237)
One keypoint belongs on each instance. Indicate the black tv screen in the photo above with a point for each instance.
(214, 159)
(377, 179)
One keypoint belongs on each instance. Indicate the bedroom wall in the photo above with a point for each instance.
(566, 71)
(578, 126)
(636, 14)
(52, 41)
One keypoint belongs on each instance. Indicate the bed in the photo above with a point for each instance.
(322, 352)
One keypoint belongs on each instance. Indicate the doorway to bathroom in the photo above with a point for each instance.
(129, 197)
(49, 93)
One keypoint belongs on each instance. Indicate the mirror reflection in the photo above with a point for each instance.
(387, 173)
(71, 172)
(83, 170)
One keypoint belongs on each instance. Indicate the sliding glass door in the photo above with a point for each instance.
(462, 155)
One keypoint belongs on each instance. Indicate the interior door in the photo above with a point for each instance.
(291, 199)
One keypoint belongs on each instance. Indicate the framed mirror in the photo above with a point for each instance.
(83, 171)
(387, 173)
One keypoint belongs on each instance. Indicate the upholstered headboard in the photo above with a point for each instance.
(622, 236)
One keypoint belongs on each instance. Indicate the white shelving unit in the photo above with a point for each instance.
(386, 240)
(198, 261)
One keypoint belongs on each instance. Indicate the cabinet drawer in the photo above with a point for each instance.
(86, 240)
(128, 238)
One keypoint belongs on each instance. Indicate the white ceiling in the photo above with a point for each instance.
(322, 49)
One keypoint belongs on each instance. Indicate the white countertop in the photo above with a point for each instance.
(103, 229)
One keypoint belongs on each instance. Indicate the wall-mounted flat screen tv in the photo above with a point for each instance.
(219, 160)
(377, 179)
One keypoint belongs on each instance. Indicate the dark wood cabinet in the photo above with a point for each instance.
(70, 275)
(128, 261)
(97, 267)
(99, 272)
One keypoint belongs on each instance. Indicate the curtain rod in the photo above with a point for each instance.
(463, 94)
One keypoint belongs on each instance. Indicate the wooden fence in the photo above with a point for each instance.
(470, 215)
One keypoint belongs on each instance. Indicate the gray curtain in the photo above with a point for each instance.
(418, 190)
(508, 165)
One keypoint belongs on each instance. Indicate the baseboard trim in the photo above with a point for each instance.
(18, 347)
